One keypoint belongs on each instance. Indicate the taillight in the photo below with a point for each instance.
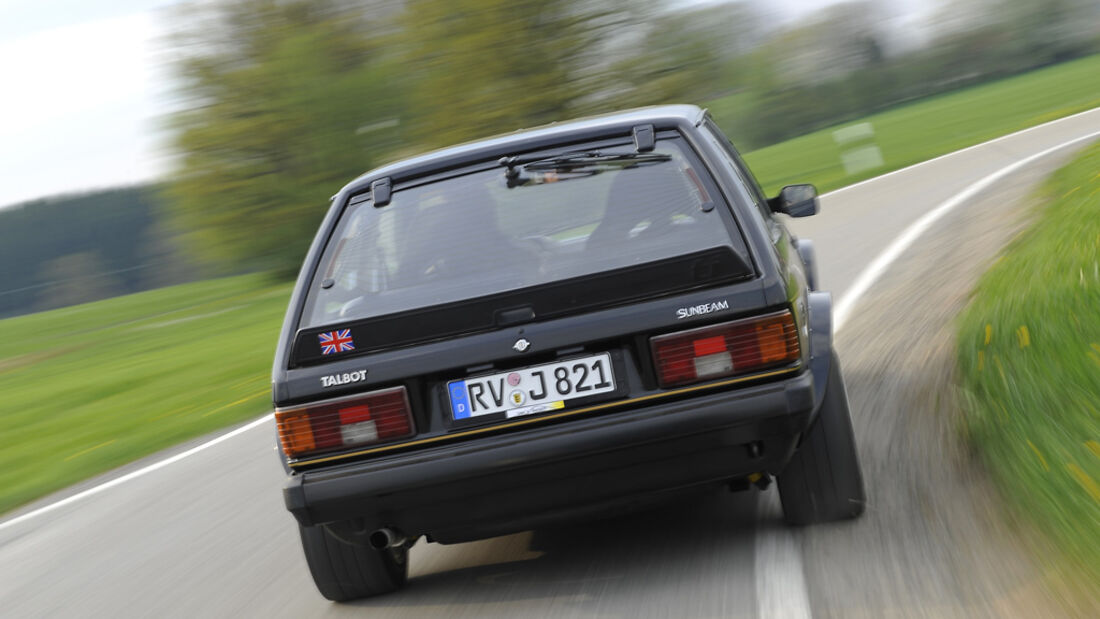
(351, 421)
(726, 349)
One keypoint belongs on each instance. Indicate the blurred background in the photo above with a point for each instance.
(164, 166)
(149, 143)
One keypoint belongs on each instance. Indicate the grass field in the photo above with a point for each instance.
(88, 388)
(91, 387)
(925, 129)
(1029, 365)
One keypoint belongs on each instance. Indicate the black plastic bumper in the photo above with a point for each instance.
(512, 482)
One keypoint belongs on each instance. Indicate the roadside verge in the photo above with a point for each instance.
(1029, 371)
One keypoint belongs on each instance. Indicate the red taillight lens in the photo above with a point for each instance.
(727, 349)
(345, 422)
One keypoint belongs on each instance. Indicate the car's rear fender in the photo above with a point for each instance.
(806, 251)
(821, 341)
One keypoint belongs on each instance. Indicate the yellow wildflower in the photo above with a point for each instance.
(1086, 482)
(1042, 460)
(1094, 447)
(1023, 337)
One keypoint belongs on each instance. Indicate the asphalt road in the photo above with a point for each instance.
(207, 536)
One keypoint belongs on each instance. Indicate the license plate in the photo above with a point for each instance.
(528, 391)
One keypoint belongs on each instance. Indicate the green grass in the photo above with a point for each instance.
(928, 128)
(91, 387)
(1029, 366)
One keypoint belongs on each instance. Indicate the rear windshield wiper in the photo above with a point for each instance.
(581, 160)
(584, 161)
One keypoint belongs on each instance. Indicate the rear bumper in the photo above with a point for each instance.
(512, 482)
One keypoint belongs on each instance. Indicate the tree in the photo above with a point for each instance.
(287, 100)
(678, 59)
(1002, 37)
(1046, 31)
(479, 67)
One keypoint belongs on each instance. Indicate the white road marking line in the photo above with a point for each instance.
(134, 474)
(878, 266)
(781, 591)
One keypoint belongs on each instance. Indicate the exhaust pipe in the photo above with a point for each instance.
(385, 538)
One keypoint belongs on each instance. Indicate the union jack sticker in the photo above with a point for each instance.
(336, 341)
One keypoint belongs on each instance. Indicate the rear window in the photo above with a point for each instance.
(473, 235)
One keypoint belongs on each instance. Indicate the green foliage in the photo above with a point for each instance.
(91, 387)
(289, 101)
(682, 56)
(1029, 366)
(480, 67)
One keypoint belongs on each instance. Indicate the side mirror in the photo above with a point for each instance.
(795, 200)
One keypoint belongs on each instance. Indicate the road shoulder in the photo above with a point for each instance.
(934, 541)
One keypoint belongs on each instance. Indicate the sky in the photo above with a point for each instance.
(84, 95)
(86, 91)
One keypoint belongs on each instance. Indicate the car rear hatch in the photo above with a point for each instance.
(504, 296)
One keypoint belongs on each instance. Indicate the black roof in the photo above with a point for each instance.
(661, 117)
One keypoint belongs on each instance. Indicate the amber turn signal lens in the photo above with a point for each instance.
(296, 433)
(772, 338)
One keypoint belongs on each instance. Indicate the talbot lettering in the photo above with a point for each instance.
(335, 380)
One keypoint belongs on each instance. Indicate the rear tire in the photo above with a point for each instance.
(823, 481)
(346, 569)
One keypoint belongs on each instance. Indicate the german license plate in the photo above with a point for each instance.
(528, 391)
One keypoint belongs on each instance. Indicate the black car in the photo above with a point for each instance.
(563, 322)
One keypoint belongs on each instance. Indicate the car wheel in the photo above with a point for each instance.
(823, 481)
(344, 569)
